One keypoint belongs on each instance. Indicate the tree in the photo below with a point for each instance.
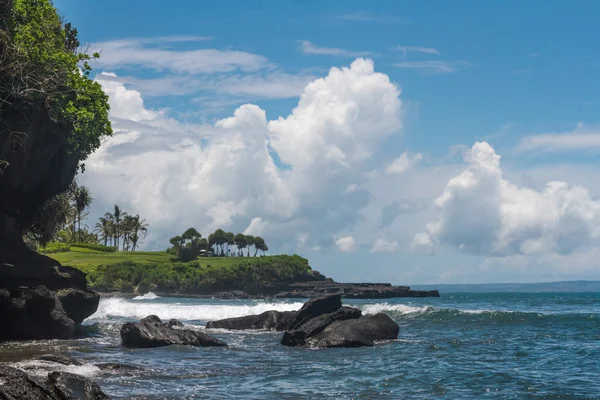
(138, 227)
(240, 242)
(117, 218)
(53, 115)
(229, 240)
(81, 200)
(220, 239)
(104, 228)
(259, 244)
(249, 243)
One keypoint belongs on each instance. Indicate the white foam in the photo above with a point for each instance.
(116, 307)
(42, 368)
(147, 296)
(394, 308)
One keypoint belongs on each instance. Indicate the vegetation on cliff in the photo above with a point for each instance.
(159, 271)
(52, 117)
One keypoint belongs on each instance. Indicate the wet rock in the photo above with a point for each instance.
(315, 307)
(324, 322)
(269, 320)
(58, 359)
(78, 304)
(118, 367)
(69, 386)
(152, 332)
(175, 322)
(18, 385)
(363, 331)
(317, 324)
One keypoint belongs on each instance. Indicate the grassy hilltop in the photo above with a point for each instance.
(140, 272)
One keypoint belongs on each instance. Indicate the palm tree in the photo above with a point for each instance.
(82, 200)
(104, 228)
(137, 227)
(117, 218)
(249, 243)
(240, 242)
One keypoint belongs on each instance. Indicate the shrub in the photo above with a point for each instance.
(96, 247)
(55, 247)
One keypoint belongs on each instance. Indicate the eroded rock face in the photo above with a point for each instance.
(18, 385)
(269, 320)
(43, 302)
(324, 322)
(152, 332)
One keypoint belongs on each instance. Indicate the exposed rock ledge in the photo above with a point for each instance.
(352, 290)
(40, 299)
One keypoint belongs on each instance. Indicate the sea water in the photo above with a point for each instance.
(458, 346)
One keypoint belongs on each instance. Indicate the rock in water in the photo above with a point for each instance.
(269, 320)
(75, 387)
(363, 331)
(17, 385)
(152, 332)
(324, 322)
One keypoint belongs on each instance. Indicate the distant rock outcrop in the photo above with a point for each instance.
(269, 320)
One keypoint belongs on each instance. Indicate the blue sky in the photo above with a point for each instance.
(520, 77)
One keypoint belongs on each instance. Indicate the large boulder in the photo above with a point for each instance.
(269, 320)
(324, 322)
(18, 385)
(152, 332)
(43, 301)
(363, 331)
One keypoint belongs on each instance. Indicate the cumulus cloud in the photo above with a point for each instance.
(345, 244)
(403, 163)
(484, 213)
(223, 175)
(382, 245)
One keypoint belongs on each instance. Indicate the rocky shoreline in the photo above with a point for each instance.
(304, 290)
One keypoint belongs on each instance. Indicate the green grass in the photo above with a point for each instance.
(143, 271)
(80, 256)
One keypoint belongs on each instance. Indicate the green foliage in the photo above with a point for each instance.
(95, 247)
(52, 248)
(42, 68)
(249, 274)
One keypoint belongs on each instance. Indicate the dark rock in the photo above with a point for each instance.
(69, 386)
(33, 313)
(325, 287)
(152, 332)
(363, 331)
(18, 385)
(324, 322)
(315, 307)
(175, 322)
(79, 304)
(317, 324)
(269, 320)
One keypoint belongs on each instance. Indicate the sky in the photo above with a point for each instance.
(403, 142)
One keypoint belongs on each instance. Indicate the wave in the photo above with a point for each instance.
(120, 308)
(42, 368)
(147, 296)
(394, 309)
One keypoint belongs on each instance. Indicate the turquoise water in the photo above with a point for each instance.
(458, 346)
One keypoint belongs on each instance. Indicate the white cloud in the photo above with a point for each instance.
(256, 228)
(309, 48)
(222, 175)
(434, 66)
(484, 213)
(583, 137)
(159, 54)
(345, 244)
(426, 50)
(403, 163)
(382, 245)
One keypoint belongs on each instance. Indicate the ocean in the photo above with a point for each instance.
(458, 346)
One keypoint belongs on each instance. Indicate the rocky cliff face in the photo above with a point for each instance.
(38, 168)
(39, 298)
